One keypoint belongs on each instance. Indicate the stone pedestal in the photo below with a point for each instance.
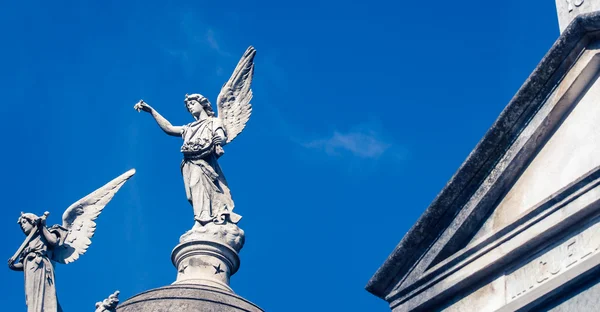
(208, 255)
(569, 9)
(205, 263)
(205, 258)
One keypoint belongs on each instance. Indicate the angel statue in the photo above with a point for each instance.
(109, 304)
(60, 243)
(205, 185)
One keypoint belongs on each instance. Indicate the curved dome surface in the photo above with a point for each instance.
(187, 297)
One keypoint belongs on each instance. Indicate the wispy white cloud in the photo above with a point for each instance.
(362, 143)
(180, 54)
(365, 141)
(211, 40)
(220, 71)
(197, 44)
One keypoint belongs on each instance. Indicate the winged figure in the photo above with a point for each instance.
(203, 139)
(64, 243)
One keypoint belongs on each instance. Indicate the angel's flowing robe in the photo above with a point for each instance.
(205, 184)
(40, 290)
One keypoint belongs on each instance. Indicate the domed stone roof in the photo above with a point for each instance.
(187, 297)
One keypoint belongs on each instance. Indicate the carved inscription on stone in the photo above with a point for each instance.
(572, 3)
(553, 262)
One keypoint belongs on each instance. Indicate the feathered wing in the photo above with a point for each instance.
(233, 103)
(79, 218)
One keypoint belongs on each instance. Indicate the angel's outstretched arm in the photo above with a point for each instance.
(162, 122)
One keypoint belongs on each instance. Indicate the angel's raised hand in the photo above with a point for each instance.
(41, 221)
(142, 106)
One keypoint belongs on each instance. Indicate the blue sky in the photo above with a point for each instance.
(362, 113)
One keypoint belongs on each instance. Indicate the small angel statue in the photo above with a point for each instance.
(205, 184)
(109, 304)
(60, 243)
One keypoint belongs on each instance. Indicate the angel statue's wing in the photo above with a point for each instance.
(79, 218)
(233, 102)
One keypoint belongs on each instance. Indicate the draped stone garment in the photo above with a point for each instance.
(205, 184)
(40, 290)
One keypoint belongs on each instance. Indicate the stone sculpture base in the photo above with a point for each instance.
(180, 298)
(208, 255)
(205, 258)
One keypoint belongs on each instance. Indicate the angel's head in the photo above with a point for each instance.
(27, 222)
(196, 104)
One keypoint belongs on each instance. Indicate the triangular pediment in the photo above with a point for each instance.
(547, 139)
(558, 145)
(571, 152)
